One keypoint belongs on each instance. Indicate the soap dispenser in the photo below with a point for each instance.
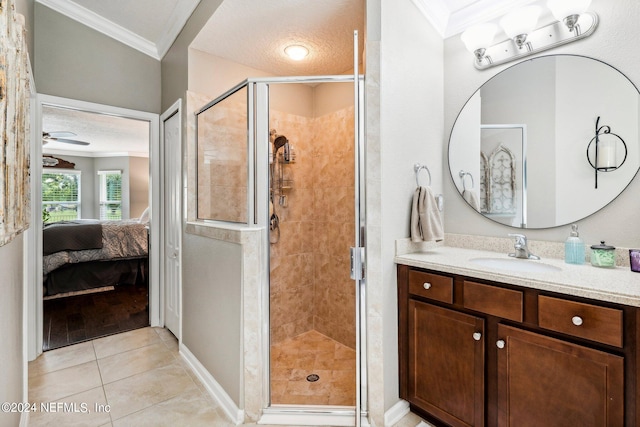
(574, 247)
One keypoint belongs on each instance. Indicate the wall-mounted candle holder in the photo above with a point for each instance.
(605, 150)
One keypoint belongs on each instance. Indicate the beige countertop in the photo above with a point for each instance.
(619, 285)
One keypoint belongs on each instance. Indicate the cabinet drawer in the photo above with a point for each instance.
(501, 302)
(582, 320)
(433, 286)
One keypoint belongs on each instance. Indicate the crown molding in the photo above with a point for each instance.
(480, 12)
(436, 13)
(179, 18)
(102, 25)
(448, 23)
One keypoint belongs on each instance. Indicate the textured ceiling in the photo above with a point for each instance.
(106, 134)
(255, 33)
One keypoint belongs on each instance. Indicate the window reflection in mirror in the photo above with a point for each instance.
(556, 101)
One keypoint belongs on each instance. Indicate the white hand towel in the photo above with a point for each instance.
(426, 222)
(472, 198)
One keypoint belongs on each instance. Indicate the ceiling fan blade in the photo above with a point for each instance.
(60, 134)
(69, 141)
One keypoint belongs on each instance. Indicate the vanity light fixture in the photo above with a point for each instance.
(296, 52)
(573, 23)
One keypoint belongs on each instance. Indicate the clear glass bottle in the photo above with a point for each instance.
(574, 247)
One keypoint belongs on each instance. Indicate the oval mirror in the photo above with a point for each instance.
(522, 149)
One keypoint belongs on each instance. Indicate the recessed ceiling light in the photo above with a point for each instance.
(296, 52)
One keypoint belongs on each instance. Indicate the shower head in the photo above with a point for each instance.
(278, 143)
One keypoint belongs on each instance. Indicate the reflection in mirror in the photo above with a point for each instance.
(522, 139)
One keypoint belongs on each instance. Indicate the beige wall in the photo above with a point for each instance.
(74, 61)
(12, 359)
(212, 308)
(138, 185)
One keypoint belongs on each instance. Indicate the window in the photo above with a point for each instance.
(60, 195)
(110, 194)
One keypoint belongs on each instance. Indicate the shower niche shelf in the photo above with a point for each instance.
(286, 184)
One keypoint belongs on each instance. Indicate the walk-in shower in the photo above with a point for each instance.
(298, 177)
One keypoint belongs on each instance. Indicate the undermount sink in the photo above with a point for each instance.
(515, 264)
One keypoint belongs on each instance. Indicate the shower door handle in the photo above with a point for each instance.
(357, 263)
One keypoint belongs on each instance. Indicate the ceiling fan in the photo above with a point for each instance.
(61, 137)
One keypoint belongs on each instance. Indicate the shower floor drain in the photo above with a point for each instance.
(313, 378)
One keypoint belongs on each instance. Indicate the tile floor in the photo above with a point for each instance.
(293, 359)
(139, 374)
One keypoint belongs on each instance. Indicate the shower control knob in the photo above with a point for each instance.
(426, 285)
(477, 336)
(500, 344)
(576, 320)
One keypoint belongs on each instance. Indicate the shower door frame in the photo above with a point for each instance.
(259, 141)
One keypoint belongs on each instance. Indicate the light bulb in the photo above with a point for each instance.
(519, 23)
(296, 52)
(568, 11)
(479, 36)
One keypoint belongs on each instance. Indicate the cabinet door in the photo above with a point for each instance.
(446, 364)
(547, 382)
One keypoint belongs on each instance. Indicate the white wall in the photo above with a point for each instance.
(411, 130)
(613, 43)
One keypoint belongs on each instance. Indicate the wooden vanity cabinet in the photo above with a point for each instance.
(446, 363)
(462, 365)
(544, 381)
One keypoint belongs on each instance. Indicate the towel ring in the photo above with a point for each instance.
(462, 174)
(417, 167)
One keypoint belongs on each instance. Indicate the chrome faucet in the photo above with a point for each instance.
(520, 247)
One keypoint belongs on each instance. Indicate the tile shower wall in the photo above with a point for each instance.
(310, 284)
(222, 160)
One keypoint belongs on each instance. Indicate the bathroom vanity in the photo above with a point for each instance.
(480, 346)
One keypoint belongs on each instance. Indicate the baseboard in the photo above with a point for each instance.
(310, 416)
(396, 412)
(215, 390)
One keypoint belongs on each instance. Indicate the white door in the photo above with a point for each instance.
(172, 218)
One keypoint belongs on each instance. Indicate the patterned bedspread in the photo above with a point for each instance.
(120, 240)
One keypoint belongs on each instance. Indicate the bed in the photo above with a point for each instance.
(87, 254)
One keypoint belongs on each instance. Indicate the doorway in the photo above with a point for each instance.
(125, 209)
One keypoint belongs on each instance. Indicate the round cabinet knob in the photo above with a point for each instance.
(576, 320)
(426, 285)
(477, 336)
(500, 343)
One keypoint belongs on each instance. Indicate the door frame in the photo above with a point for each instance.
(175, 109)
(34, 246)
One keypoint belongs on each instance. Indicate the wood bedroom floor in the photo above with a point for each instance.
(79, 318)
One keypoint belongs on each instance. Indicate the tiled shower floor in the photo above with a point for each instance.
(294, 359)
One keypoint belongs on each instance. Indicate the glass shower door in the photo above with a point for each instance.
(312, 217)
